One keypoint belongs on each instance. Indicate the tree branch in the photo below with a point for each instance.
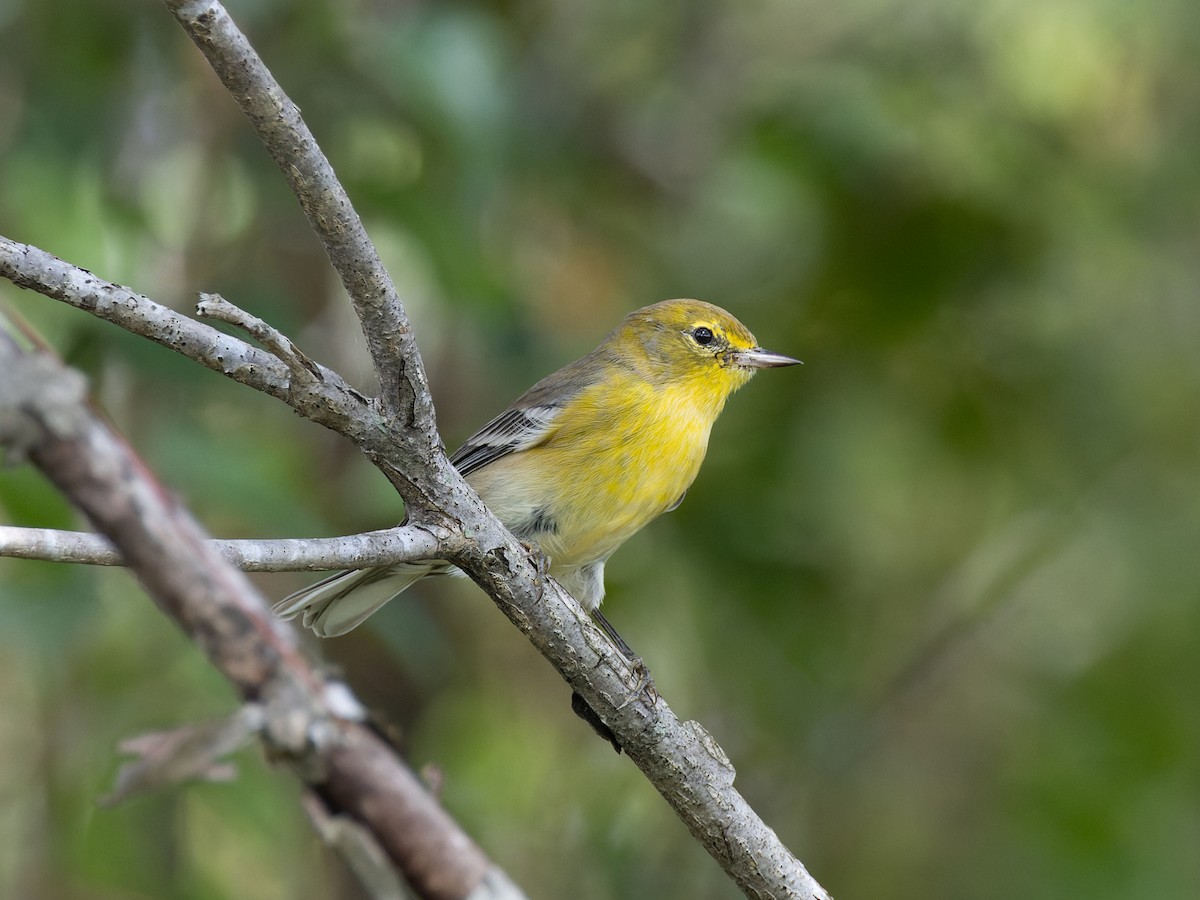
(406, 543)
(214, 306)
(326, 399)
(309, 722)
(399, 436)
(403, 387)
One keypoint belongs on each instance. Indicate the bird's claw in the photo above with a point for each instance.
(541, 564)
(644, 683)
(541, 561)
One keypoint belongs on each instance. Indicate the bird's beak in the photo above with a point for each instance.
(758, 358)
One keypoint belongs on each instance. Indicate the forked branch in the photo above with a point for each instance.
(397, 433)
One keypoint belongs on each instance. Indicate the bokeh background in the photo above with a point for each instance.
(936, 592)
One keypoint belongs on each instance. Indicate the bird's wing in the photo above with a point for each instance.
(531, 419)
(513, 430)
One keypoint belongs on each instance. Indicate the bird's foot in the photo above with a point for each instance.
(644, 683)
(541, 564)
(540, 560)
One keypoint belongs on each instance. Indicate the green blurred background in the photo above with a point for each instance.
(936, 592)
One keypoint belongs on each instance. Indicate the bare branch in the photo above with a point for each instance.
(393, 349)
(679, 758)
(400, 437)
(189, 752)
(406, 543)
(214, 306)
(309, 722)
(326, 399)
(33, 268)
(358, 849)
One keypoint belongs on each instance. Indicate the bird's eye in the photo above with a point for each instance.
(702, 335)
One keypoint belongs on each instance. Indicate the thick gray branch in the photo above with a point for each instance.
(309, 721)
(407, 543)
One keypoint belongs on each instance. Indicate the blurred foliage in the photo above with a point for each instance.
(936, 592)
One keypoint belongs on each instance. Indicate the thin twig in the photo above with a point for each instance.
(328, 400)
(406, 543)
(33, 268)
(214, 306)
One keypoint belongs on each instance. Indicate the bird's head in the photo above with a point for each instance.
(690, 340)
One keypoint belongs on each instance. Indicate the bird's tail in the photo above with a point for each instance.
(343, 601)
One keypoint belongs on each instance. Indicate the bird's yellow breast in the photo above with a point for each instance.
(614, 461)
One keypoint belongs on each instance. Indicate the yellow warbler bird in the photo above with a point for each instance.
(585, 458)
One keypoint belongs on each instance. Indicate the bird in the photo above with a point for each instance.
(585, 458)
